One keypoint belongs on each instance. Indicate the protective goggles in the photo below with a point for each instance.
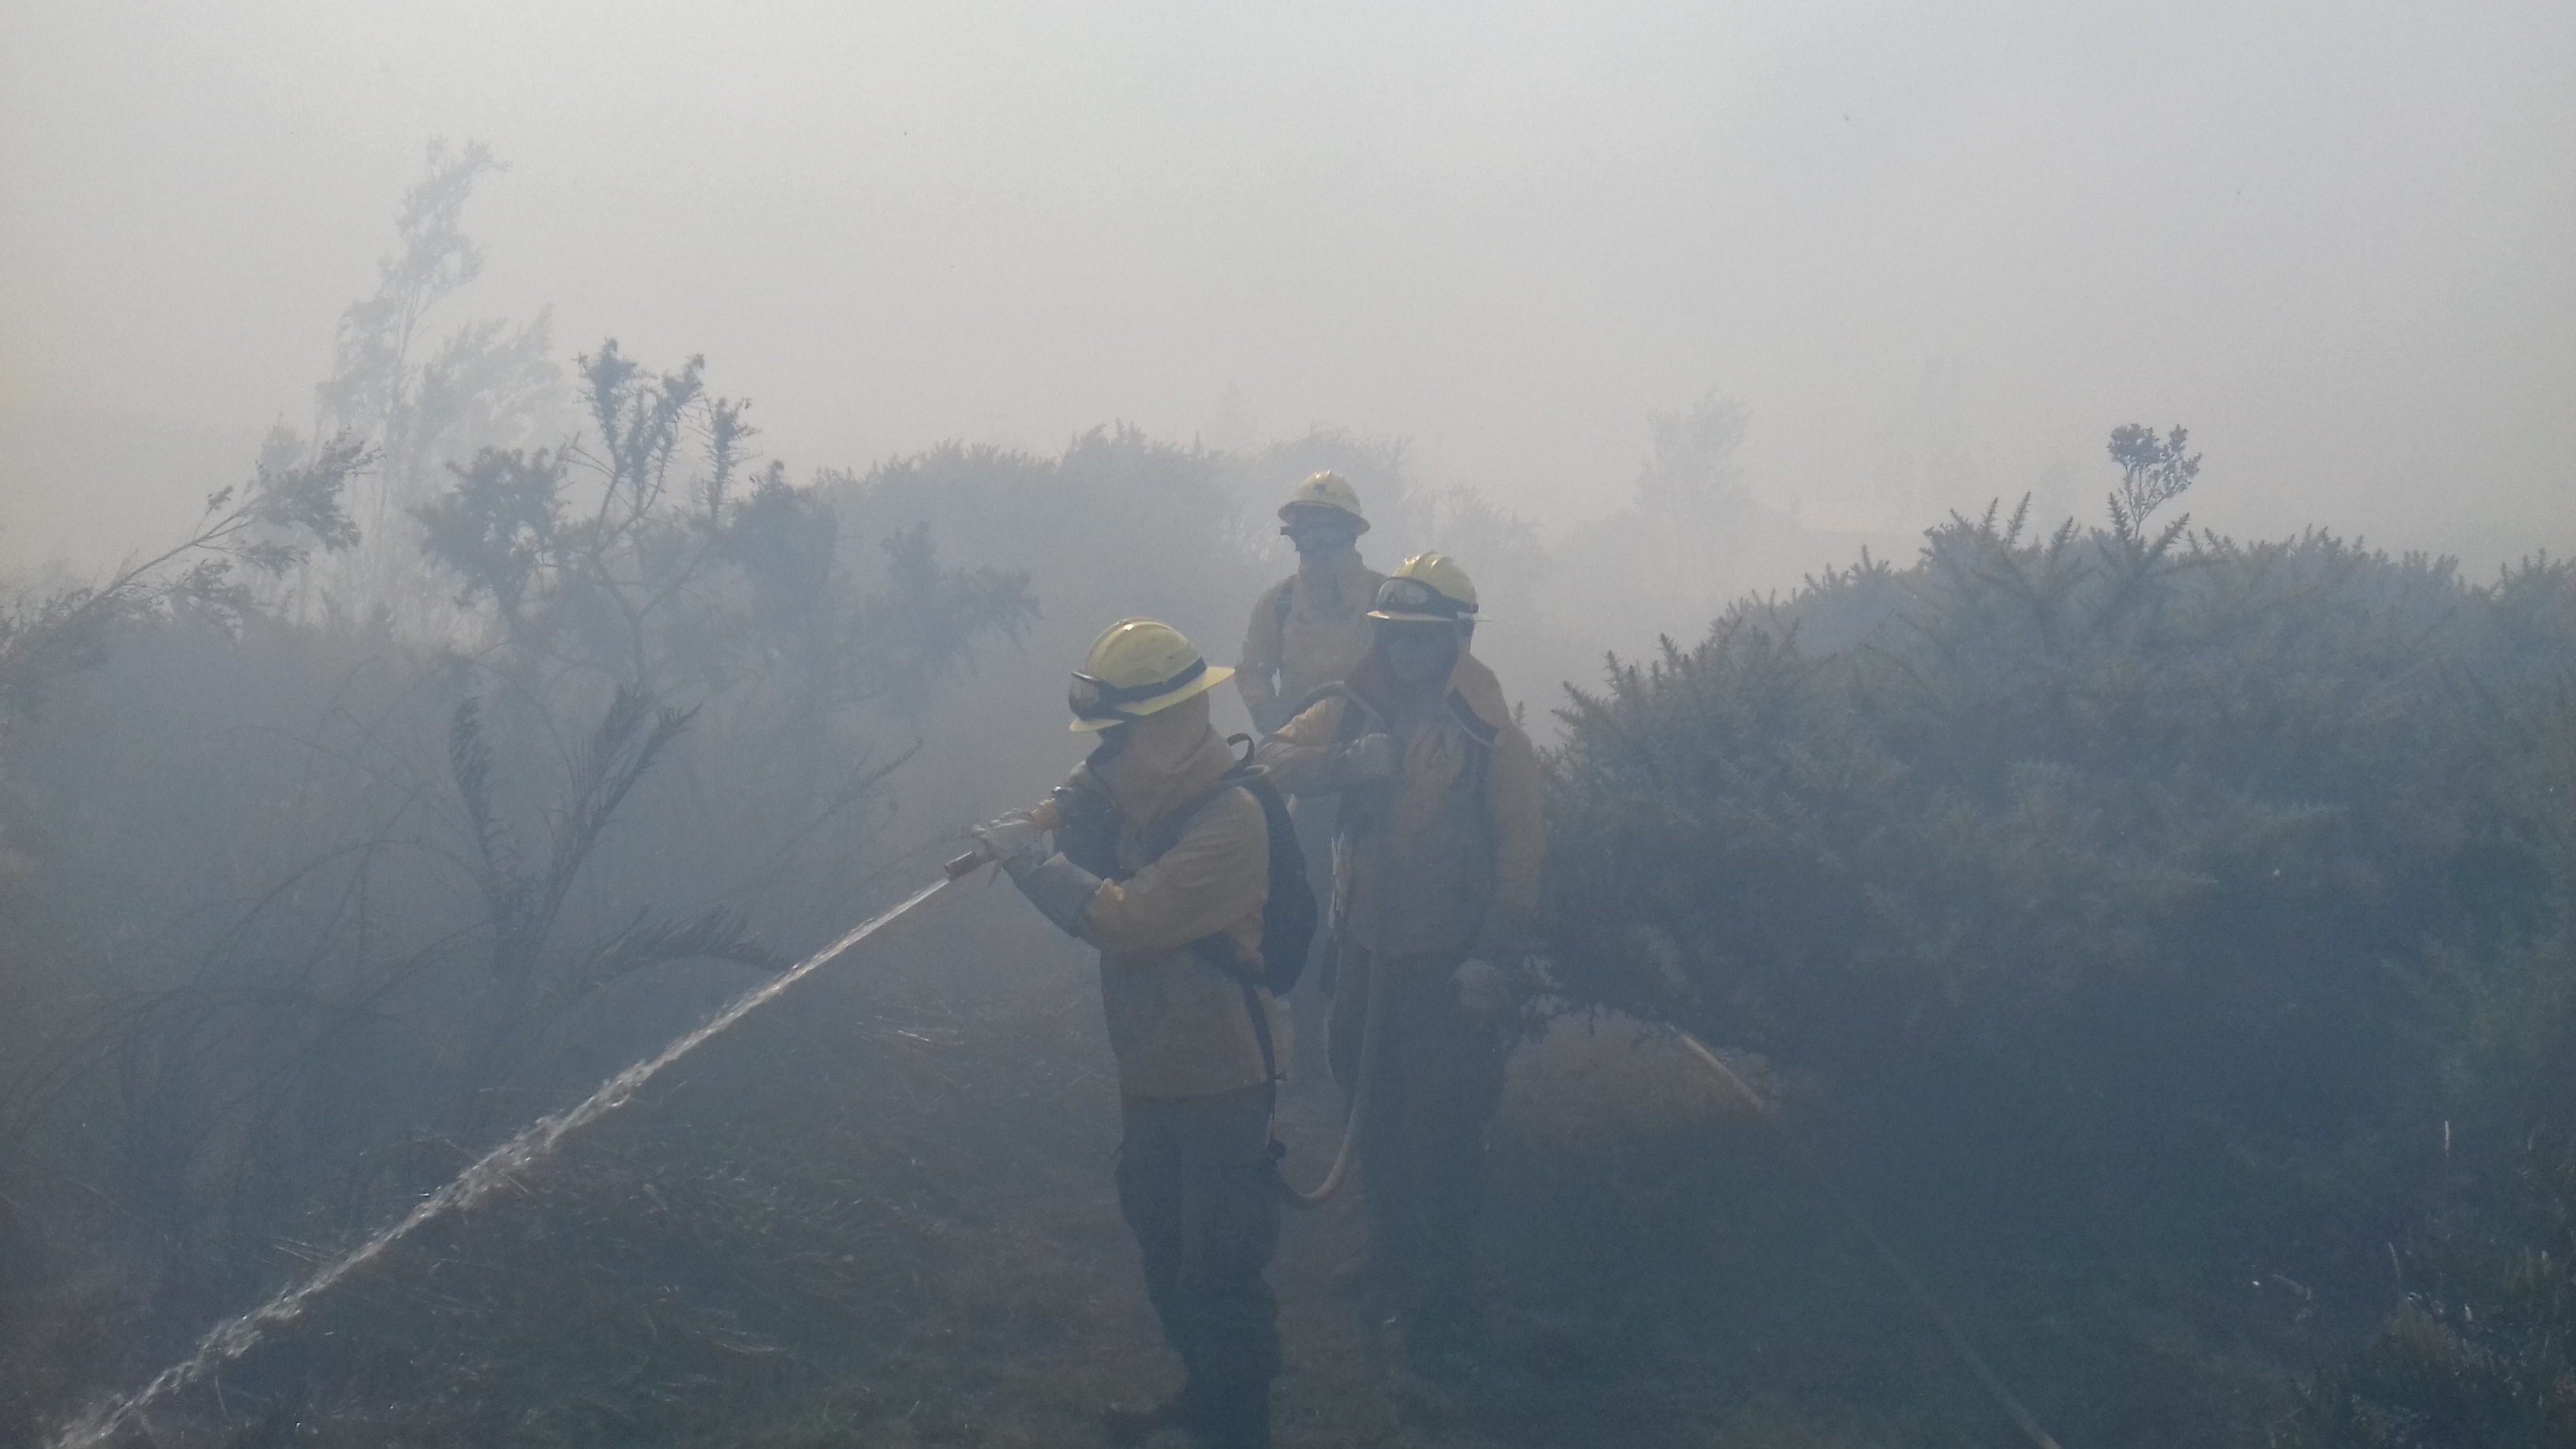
(1413, 596)
(1098, 699)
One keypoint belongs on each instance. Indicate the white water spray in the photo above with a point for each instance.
(232, 1339)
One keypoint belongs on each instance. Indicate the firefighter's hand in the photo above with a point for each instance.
(1484, 991)
(1061, 890)
(1011, 837)
(1370, 757)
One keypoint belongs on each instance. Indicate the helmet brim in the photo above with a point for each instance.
(1216, 674)
(1389, 616)
(1288, 513)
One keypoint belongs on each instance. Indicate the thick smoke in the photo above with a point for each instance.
(1976, 714)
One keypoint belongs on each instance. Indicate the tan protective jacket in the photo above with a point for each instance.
(1322, 637)
(1177, 1021)
(1445, 857)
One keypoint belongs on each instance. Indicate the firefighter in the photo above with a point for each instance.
(1437, 869)
(1153, 857)
(1308, 631)
(1311, 627)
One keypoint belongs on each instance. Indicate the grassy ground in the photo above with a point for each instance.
(871, 1218)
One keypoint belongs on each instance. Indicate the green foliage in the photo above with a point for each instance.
(2164, 878)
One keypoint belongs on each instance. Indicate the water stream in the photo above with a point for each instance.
(235, 1337)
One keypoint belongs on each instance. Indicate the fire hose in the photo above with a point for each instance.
(1371, 1044)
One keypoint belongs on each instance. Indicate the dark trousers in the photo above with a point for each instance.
(1422, 1149)
(1199, 1189)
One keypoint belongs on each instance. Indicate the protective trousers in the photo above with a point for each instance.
(1422, 1149)
(1199, 1189)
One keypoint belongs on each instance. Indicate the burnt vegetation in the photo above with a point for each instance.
(2169, 939)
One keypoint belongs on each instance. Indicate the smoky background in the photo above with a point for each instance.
(1934, 252)
(530, 692)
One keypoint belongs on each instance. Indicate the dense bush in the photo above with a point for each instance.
(2127, 882)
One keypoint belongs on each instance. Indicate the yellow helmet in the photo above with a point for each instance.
(1135, 668)
(1325, 490)
(1429, 589)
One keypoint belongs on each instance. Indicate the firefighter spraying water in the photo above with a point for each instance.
(1163, 859)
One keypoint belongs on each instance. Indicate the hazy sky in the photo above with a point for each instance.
(1955, 242)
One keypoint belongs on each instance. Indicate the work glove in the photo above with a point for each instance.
(1374, 756)
(1485, 994)
(1061, 890)
(1014, 835)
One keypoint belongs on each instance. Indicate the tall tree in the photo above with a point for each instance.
(425, 405)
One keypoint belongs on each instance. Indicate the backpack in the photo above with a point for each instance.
(1288, 914)
(1088, 835)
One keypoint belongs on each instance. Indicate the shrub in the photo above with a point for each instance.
(2477, 1354)
(2127, 882)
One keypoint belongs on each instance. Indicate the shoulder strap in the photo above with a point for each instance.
(1476, 726)
(1220, 950)
(1176, 824)
(1282, 604)
(1481, 738)
(1260, 1031)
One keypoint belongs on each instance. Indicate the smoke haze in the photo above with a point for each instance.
(1935, 252)
(2169, 937)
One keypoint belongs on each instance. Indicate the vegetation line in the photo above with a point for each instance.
(1896, 1265)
